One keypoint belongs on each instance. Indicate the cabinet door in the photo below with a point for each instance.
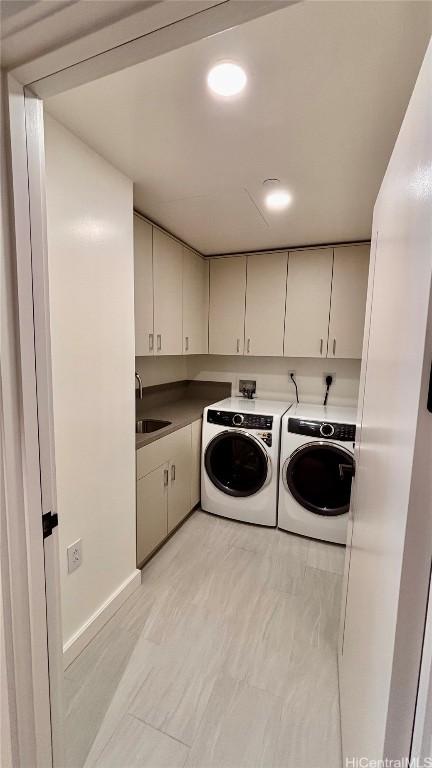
(143, 260)
(196, 463)
(168, 301)
(152, 511)
(265, 303)
(348, 302)
(227, 305)
(308, 303)
(179, 494)
(195, 304)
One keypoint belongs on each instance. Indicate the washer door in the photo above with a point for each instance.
(316, 476)
(236, 463)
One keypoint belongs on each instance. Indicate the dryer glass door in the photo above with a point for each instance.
(236, 463)
(317, 476)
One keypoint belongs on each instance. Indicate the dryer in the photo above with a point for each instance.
(316, 470)
(240, 459)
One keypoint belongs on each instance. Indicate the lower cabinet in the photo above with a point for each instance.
(180, 466)
(168, 486)
(152, 507)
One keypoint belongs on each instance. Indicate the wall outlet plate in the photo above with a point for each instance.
(247, 387)
(74, 555)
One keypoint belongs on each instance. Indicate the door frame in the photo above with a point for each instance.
(34, 656)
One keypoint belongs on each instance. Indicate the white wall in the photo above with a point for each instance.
(161, 370)
(272, 376)
(90, 240)
(270, 373)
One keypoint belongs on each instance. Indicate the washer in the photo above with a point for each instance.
(240, 459)
(316, 470)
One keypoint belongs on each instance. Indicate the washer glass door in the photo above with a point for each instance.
(316, 475)
(236, 463)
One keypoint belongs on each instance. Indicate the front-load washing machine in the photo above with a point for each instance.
(316, 470)
(240, 459)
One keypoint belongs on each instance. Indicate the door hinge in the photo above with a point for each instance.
(49, 522)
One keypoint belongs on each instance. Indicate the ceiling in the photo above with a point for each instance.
(31, 28)
(328, 85)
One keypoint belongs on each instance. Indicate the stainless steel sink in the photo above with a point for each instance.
(144, 426)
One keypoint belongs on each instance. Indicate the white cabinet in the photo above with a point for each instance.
(143, 287)
(265, 303)
(168, 299)
(166, 474)
(180, 470)
(195, 303)
(152, 511)
(308, 302)
(348, 301)
(196, 463)
(227, 305)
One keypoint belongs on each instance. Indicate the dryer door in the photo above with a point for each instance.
(237, 463)
(319, 476)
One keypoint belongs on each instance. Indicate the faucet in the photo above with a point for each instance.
(138, 378)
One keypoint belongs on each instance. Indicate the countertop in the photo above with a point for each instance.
(181, 406)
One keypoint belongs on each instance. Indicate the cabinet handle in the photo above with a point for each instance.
(321, 346)
(172, 472)
(334, 346)
(159, 342)
(165, 477)
(187, 343)
(248, 346)
(151, 342)
(238, 346)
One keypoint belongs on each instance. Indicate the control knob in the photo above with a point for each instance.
(238, 419)
(327, 430)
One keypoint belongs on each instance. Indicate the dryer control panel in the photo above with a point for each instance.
(244, 420)
(323, 429)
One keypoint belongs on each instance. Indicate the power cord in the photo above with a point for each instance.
(329, 382)
(295, 384)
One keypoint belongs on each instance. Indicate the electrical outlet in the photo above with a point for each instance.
(333, 375)
(74, 555)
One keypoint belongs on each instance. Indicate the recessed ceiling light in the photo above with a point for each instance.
(276, 198)
(226, 79)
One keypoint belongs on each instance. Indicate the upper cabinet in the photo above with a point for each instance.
(143, 257)
(348, 301)
(227, 305)
(195, 303)
(168, 299)
(265, 303)
(308, 303)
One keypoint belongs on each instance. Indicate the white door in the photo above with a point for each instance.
(195, 303)
(143, 287)
(265, 303)
(227, 305)
(151, 511)
(348, 301)
(308, 303)
(179, 494)
(168, 299)
(390, 551)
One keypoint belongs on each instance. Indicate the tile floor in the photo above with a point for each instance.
(225, 657)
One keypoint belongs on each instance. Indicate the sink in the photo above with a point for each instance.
(144, 426)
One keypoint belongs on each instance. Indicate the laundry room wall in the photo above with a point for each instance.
(272, 376)
(270, 373)
(91, 263)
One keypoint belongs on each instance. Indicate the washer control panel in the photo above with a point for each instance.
(244, 420)
(323, 429)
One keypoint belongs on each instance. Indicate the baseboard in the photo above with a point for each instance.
(73, 647)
